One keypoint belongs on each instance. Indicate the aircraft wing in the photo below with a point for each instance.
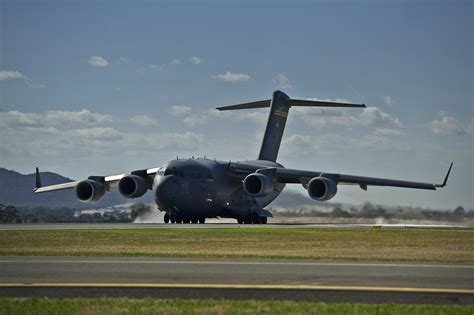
(294, 176)
(110, 180)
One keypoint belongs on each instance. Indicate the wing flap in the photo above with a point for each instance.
(295, 176)
(371, 181)
(56, 187)
(110, 180)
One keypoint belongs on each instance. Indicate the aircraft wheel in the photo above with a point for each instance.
(172, 219)
(179, 219)
(248, 220)
(202, 220)
(263, 220)
(240, 221)
(255, 219)
(187, 220)
(194, 220)
(166, 219)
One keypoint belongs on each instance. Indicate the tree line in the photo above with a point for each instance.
(12, 214)
(371, 211)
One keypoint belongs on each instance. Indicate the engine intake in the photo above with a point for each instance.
(258, 185)
(89, 190)
(322, 188)
(133, 186)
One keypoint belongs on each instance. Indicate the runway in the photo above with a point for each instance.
(214, 225)
(237, 279)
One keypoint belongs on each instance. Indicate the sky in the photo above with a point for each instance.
(102, 87)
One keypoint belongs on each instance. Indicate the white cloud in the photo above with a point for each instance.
(188, 141)
(190, 119)
(149, 68)
(195, 60)
(387, 100)
(180, 110)
(176, 61)
(11, 75)
(56, 119)
(97, 133)
(35, 85)
(155, 67)
(195, 120)
(83, 117)
(66, 135)
(97, 61)
(369, 117)
(470, 127)
(448, 125)
(282, 81)
(143, 120)
(258, 117)
(374, 116)
(232, 77)
(123, 60)
(305, 145)
(387, 132)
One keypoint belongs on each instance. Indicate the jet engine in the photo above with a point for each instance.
(258, 185)
(133, 186)
(89, 190)
(322, 188)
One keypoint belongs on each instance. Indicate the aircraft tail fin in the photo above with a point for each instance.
(279, 105)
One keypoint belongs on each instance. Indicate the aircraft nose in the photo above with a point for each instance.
(164, 192)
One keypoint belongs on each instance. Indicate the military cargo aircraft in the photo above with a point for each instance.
(191, 190)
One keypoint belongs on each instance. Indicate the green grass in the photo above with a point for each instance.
(413, 245)
(154, 306)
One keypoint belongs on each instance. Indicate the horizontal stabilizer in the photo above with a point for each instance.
(257, 104)
(293, 102)
(289, 103)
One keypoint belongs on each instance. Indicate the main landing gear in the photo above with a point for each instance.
(178, 219)
(253, 219)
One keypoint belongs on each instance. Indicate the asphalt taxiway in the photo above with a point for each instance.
(236, 279)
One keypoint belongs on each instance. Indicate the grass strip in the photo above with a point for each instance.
(409, 245)
(171, 306)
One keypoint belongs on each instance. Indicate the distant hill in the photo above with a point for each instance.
(17, 189)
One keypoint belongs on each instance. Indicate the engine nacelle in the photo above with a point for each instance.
(133, 186)
(89, 190)
(322, 188)
(258, 185)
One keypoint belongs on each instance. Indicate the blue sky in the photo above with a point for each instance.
(103, 87)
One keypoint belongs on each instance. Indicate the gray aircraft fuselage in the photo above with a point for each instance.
(205, 188)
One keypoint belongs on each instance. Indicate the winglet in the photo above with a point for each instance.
(446, 178)
(38, 179)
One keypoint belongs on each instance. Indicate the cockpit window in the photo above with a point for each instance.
(169, 171)
(161, 171)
